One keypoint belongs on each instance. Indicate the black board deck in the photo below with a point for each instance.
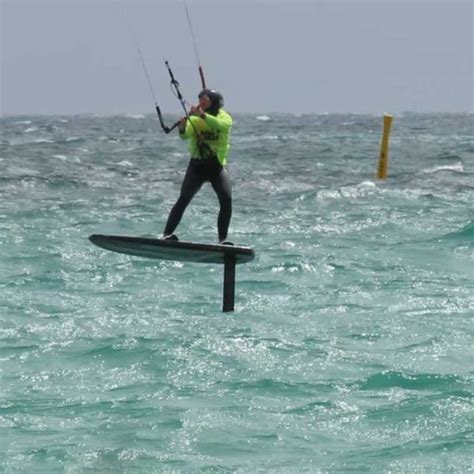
(172, 249)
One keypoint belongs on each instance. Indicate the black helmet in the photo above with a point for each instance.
(217, 101)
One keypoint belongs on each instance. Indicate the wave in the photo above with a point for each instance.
(466, 233)
(390, 379)
(449, 157)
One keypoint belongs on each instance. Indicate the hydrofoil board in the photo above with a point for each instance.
(172, 249)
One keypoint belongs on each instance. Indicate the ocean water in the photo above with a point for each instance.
(351, 345)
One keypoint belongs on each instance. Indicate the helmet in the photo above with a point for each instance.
(217, 101)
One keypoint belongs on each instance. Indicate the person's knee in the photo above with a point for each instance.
(184, 199)
(225, 200)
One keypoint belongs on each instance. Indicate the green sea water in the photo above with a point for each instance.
(351, 345)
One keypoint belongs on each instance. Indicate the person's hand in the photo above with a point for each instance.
(196, 110)
(182, 124)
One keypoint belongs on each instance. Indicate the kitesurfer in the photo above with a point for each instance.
(208, 129)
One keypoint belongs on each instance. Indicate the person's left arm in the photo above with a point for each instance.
(222, 122)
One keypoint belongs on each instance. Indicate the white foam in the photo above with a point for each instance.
(263, 118)
(31, 129)
(124, 163)
(354, 191)
(256, 139)
(60, 157)
(124, 150)
(453, 167)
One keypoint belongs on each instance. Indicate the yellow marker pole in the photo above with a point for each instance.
(383, 160)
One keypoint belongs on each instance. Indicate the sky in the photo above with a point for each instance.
(265, 56)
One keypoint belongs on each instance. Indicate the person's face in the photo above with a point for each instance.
(204, 102)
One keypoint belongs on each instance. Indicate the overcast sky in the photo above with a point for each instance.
(80, 56)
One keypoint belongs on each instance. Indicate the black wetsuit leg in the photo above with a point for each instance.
(223, 188)
(191, 184)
